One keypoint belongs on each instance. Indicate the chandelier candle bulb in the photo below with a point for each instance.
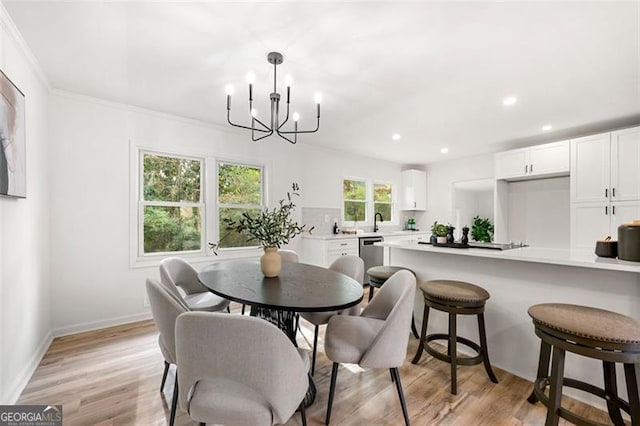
(296, 116)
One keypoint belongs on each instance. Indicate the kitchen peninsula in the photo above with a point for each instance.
(516, 280)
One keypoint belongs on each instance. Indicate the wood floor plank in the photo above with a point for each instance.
(112, 377)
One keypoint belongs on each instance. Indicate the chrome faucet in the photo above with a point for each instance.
(375, 224)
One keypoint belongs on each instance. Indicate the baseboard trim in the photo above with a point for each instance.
(97, 325)
(15, 389)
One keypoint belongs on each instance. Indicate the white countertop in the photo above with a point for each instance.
(361, 235)
(578, 258)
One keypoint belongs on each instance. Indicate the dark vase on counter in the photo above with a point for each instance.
(450, 230)
(465, 235)
(433, 240)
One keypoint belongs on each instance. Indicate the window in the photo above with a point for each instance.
(240, 190)
(354, 194)
(171, 203)
(383, 201)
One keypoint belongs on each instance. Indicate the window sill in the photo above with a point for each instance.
(197, 258)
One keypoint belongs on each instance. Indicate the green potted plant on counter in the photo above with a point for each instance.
(439, 230)
(271, 229)
(482, 229)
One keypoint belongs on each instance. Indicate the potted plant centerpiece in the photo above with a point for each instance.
(439, 230)
(271, 229)
(482, 229)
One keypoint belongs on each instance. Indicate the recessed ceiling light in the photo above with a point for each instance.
(444, 150)
(395, 137)
(510, 100)
(547, 127)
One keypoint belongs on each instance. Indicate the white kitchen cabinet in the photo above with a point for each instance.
(596, 220)
(539, 161)
(414, 190)
(590, 168)
(625, 164)
(421, 236)
(323, 252)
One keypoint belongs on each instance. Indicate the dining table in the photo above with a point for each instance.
(299, 287)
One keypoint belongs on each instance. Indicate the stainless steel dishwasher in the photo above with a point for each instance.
(372, 255)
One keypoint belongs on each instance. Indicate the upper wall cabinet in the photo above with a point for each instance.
(606, 167)
(414, 190)
(539, 161)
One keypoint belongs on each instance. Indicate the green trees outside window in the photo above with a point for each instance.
(354, 195)
(172, 206)
(240, 189)
(382, 200)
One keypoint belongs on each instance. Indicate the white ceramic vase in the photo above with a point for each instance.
(271, 262)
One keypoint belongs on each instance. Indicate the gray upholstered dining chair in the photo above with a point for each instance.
(258, 379)
(351, 266)
(289, 255)
(377, 338)
(177, 273)
(166, 308)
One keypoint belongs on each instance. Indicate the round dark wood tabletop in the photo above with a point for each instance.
(299, 287)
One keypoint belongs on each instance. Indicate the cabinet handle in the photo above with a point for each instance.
(526, 169)
(343, 244)
(606, 193)
(531, 168)
(606, 209)
(613, 192)
(414, 204)
(613, 209)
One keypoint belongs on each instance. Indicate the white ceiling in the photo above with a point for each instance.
(436, 73)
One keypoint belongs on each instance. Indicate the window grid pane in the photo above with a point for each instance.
(354, 190)
(173, 179)
(170, 229)
(382, 192)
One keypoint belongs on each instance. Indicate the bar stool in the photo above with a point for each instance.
(378, 275)
(455, 297)
(594, 333)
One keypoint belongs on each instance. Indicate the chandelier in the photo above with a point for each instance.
(259, 130)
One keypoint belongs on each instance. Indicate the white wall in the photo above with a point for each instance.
(93, 281)
(25, 317)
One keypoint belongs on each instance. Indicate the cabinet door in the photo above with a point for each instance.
(590, 168)
(550, 158)
(589, 223)
(623, 212)
(414, 190)
(625, 164)
(511, 164)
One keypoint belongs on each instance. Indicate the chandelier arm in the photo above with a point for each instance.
(286, 118)
(261, 137)
(244, 127)
(293, 142)
(291, 132)
(268, 129)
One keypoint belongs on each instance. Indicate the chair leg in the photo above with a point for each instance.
(632, 376)
(611, 388)
(555, 385)
(393, 379)
(174, 402)
(423, 336)
(543, 367)
(228, 309)
(332, 389)
(403, 404)
(164, 375)
(303, 414)
(453, 353)
(315, 350)
(485, 350)
(243, 306)
(414, 330)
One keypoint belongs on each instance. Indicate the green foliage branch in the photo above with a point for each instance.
(271, 227)
(482, 229)
(439, 229)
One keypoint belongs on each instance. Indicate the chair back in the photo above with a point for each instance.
(393, 303)
(245, 350)
(176, 272)
(165, 309)
(289, 255)
(351, 266)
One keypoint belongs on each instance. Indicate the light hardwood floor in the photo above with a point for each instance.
(112, 377)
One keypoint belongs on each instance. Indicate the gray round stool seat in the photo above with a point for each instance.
(455, 298)
(378, 275)
(594, 333)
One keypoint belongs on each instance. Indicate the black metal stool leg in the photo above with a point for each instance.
(423, 335)
(332, 390)
(543, 367)
(414, 330)
(632, 376)
(555, 391)
(484, 349)
(370, 292)
(453, 354)
(611, 388)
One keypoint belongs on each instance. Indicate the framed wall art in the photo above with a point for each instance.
(13, 173)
